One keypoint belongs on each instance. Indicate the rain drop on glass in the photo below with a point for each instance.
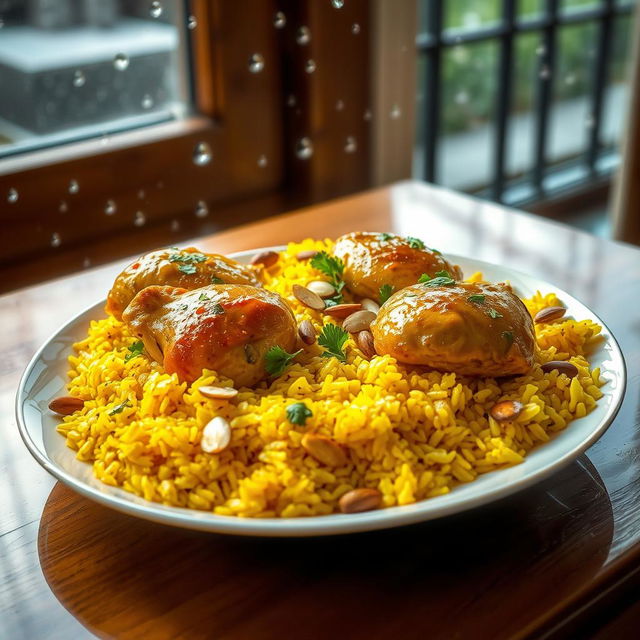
(139, 219)
(337, 4)
(279, 20)
(110, 208)
(147, 101)
(262, 161)
(350, 145)
(395, 112)
(304, 148)
(192, 23)
(303, 35)
(310, 66)
(78, 79)
(121, 61)
(74, 187)
(56, 240)
(355, 28)
(202, 211)
(155, 9)
(64, 207)
(12, 196)
(202, 154)
(256, 63)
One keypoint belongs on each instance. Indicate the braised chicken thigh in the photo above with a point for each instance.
(373, 260)
(227, 328)
(470, 329)
(186, 268)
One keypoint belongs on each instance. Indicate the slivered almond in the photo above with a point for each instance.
(506, 410)
(359, 500)
(216, 435)
(358, 321)
(265, 258)
(218, 393)
(365, 342)
(307, 332)
(370, 305)
(66, 405)
(322, 288)
(342, 310)
(570, 370)
(549, 314)
(308, 298)
(324, 450)
(306, 255)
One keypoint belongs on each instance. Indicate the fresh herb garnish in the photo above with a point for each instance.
(508, 336)
(332, 338)
(415, 243)
(492, 313)
(298, 413)
(438, 281)
(277, 359)
(216, 280)
(187, 258)
(217, 309)
(203, 296)
(478, 298)
(183, 307)
(332, 267)
(385, 292)
(443, 274)
(189, 269)
(439, 253)
(135, 350)
(383, 237)
(333, 300)
(119, 408)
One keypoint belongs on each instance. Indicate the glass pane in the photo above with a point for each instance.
(570, 6)
(521, 129)
(421, 106)
(529, 9)
(462, 15)
(570, 119)
(467, 109)
(72, 70)
(423, 18)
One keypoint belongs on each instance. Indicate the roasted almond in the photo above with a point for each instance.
(359, 500)
(216, 435)
(322, 288)
(370, 305)
(569, 370)
(265, 258)
(307, 332)
(549, 314)
(342, 310)
(308, 298)
(306, 255)
(66, 405)
(365, 342)
(218, 393)
(324, 450)
(358, 321)
(506, 410)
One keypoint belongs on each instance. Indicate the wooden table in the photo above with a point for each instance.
(559, 558)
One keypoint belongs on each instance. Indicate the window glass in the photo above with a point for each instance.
(530, 9)
(462, 15)
(569, 6)
(74, 69)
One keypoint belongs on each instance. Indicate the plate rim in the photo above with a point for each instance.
(331, 524)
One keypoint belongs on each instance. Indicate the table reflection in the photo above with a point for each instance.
(131, 578)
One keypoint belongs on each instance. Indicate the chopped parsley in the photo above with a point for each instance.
(385, 292)
(441, 279)
(298, 413)
(508, 336)
(119, 408)
(492, 313)
(439, 253)
(332, 267)
(332, 338)
(478, 298)
(415, 243)
(203, 296)
(216, 280)
(276, 360)
(217, 309)
(187, 258)
(189, 269)
(135, 350)
(383, 237)
(183, 307)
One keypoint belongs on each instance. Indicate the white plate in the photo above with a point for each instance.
(46, 376)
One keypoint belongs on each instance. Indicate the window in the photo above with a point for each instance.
(519, 100)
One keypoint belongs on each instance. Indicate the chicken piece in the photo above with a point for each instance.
(468, 328)
(186, 268)
(227, 328)
(372, 260)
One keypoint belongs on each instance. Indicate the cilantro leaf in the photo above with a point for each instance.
(298, 413)
(415, 243)
(277, 359)
(492, 313)
(329, 265)
(438, 281)
(135, 350)
(187, 258)
(383, 237)
(216, 280)
(385, 292)
(443, 274)
(438, 253)
(478, 298)
(203, 296)
(119, 408)
(217, 309)
(508, 336)
(332, 338)
(189, 269)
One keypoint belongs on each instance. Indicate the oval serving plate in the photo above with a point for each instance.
(46, 375)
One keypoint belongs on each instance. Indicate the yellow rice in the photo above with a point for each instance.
(411, 435)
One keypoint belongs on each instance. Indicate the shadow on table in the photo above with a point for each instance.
(486, 573)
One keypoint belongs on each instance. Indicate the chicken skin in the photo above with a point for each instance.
(185, 268)
(372, 260)
(227, 328)
(467, 328)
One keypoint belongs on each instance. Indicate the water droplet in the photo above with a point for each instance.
(256, 63)
(139, 219)
(339, 105)
(141, 194)
(105, 139)
(337, 4)
(74, 187)
(121, 61)
(56, 240)
(155, 9)
(192, 23)
(304, 148)
(110, 208)
(395, 112)
(86, 263)
(64, 207)
(78, 79)
(310, 66)
(147, 101)
(291, 101)
(202, 154)
(202, 211)
(545, 72)
(175, 225)
(12, 196)
(590, 121)
(570, 79)
(541, 50)
(350, 145)
(355, 28)
(262, 161)
(279, 20)
(462, 97)
(303, 35)
(367, 114)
